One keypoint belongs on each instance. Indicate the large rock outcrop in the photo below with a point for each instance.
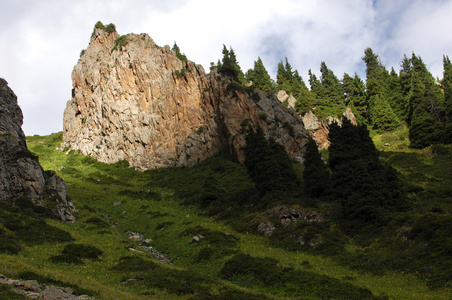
(319, 129)
(135, 101)
(21, 175)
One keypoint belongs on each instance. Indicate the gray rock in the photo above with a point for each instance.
(21, 175)
(265, 228)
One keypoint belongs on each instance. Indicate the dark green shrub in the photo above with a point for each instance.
(96, 222)
(36, 232)
(134, 264)
(8, 244)
(120, 42)
(164, 225)
(178, 282)
(82, 251)
(143, 194)
(110, 28)
(267, 274)
(99, 25)
(74, 253)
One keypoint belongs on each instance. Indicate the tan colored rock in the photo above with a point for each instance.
(142, 104)
(319, 129)
(283, 97)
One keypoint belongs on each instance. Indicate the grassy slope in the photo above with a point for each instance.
(151, 200)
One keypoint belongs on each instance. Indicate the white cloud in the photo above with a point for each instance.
(42, 39)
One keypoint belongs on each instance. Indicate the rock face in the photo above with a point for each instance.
(283, 97)
(319, 130)
(139, 102)
(21, 175)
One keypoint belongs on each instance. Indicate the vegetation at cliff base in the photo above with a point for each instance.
(204, 219)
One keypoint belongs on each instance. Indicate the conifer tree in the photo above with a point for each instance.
(425, 107)
(260, 77)
(317, 179)
(270, 167)
(381, 115)
(291, 82)
(447, 87)
(396, 99)
(355, 92)
(369, 192)
(179, 55)
(229, 65)
(334, 102)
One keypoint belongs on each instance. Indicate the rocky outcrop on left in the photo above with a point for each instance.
(21, 175)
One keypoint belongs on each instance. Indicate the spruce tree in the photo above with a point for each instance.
(355, 92)
(229, 65)
(316, 176)
(381, 115)
(270, 167)
(291, 82)
(334, 99)
(260, 77)
(447, 87)
(179, 55)
(369, 192)
(396, 99)
(425, 107)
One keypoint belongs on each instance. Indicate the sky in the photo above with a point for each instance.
(41, 40)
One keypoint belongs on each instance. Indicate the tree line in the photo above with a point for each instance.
(383, 101)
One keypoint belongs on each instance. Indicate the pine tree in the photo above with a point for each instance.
(447, 87)
(179, 55)
(425, 107)
(317, 179)
(381, 115)
(260, 77)
(396, 100)
(229, 65)
(369, 192)
(291, 82)
(270, 167)
(355, 92)
(334, 99)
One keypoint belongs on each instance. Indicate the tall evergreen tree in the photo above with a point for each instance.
(229, 65)
(447, 87)
(425, 107)
(179, 55)
(291, 82)
(395, 96)
(381, 115)
(270, 167)
(316, 176)
(355, 92)
(333, 101)
(368, 191)
(260, 77)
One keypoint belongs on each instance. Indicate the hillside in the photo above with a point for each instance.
(161, 208)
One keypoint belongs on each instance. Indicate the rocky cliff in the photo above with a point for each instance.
(319, 129)
(21, 175)
(133, 100)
